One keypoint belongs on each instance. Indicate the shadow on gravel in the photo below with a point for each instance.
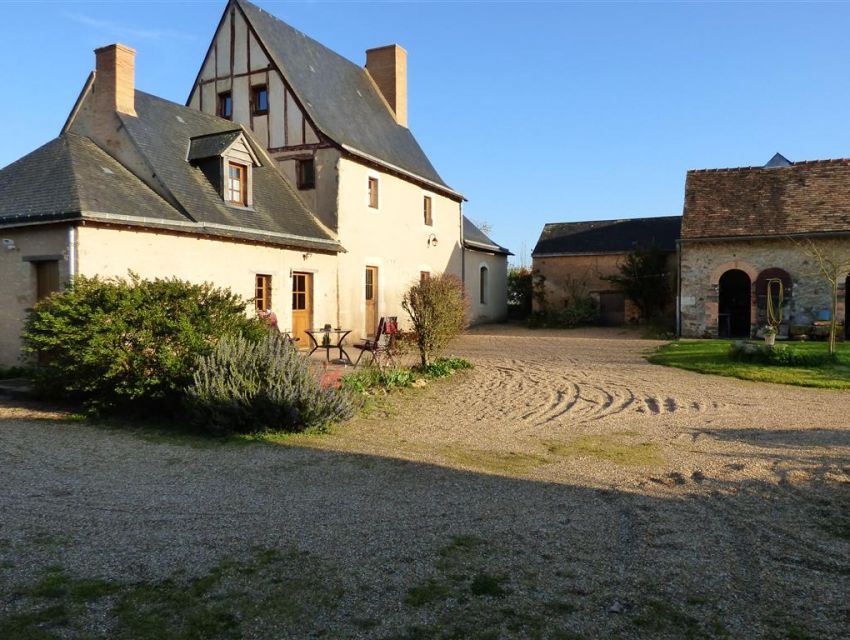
(808, 438)
(105, 535)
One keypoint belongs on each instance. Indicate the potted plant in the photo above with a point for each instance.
(769, 335)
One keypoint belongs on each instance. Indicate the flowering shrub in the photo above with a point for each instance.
(247, 387)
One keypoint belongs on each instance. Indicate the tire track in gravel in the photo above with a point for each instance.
(535, 394)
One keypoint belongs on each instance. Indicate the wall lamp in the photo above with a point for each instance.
(432, 240)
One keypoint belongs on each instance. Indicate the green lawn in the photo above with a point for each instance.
(712, 356)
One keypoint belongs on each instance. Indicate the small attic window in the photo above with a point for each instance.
(373, 192)
(237, 184)
(306, 173)
(225, 105)
(259, 100)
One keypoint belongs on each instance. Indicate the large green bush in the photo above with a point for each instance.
(520, 291)
(644, 277)
(247, 387)
(130, 343)
(437, 308)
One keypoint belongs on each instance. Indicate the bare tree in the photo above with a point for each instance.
(833, 264)
(485, 227)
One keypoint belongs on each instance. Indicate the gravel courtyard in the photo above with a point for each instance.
(564, 488)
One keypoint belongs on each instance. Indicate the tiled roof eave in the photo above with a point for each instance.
(29, 219)
(766, 236)
(567, 254)
(430, 183)
(486, 247)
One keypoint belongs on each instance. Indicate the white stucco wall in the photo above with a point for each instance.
(393, 237)
(112, 252)
(495, 305)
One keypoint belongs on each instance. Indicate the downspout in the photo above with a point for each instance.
(462, 251)
(72, 252)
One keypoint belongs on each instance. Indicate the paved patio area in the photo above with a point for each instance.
(564, 488)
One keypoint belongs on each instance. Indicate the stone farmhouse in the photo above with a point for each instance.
(746, 227)
(290, 177)
(575, 258)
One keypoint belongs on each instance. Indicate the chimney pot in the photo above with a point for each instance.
(115, 79)
(388, 68)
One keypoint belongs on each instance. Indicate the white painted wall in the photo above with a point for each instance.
(393, 237)
(495, 307)
(112, 252)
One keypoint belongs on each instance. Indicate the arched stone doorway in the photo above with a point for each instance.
(733, 309)
(771, 276)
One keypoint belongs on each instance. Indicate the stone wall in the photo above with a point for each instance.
(703, 263)
(564, 276)
(18, 288)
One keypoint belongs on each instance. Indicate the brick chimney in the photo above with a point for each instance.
(388, 68)
(115, 80)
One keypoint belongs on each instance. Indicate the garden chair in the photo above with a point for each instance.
(382, 347)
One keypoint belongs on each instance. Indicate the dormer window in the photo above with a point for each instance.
(237, 184)
(260, 100)
(225, 105)
(228, 161)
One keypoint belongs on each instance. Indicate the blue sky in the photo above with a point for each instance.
(538, 112)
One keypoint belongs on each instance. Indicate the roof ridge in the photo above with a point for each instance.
(824, 162)
(239, 129)
(616, 220)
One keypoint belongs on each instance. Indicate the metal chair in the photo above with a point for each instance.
(383, 346)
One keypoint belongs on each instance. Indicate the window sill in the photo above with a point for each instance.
(260, 113)
(241, 207)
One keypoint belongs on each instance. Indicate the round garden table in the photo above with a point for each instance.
(322, 339)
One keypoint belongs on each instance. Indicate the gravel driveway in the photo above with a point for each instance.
(564, 488)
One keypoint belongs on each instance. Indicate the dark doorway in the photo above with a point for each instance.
(734, 305)
(612, 309)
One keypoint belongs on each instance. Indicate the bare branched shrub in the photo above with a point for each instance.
(437, 308)
(832, 264)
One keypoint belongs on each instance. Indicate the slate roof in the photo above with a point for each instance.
(70, 178)
(801, 198)
(162, 132)
(340, 97)
(608, 236)
(474, 238)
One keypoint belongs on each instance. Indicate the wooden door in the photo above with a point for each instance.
(302, 307)
(47, 278)
(371, 301)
